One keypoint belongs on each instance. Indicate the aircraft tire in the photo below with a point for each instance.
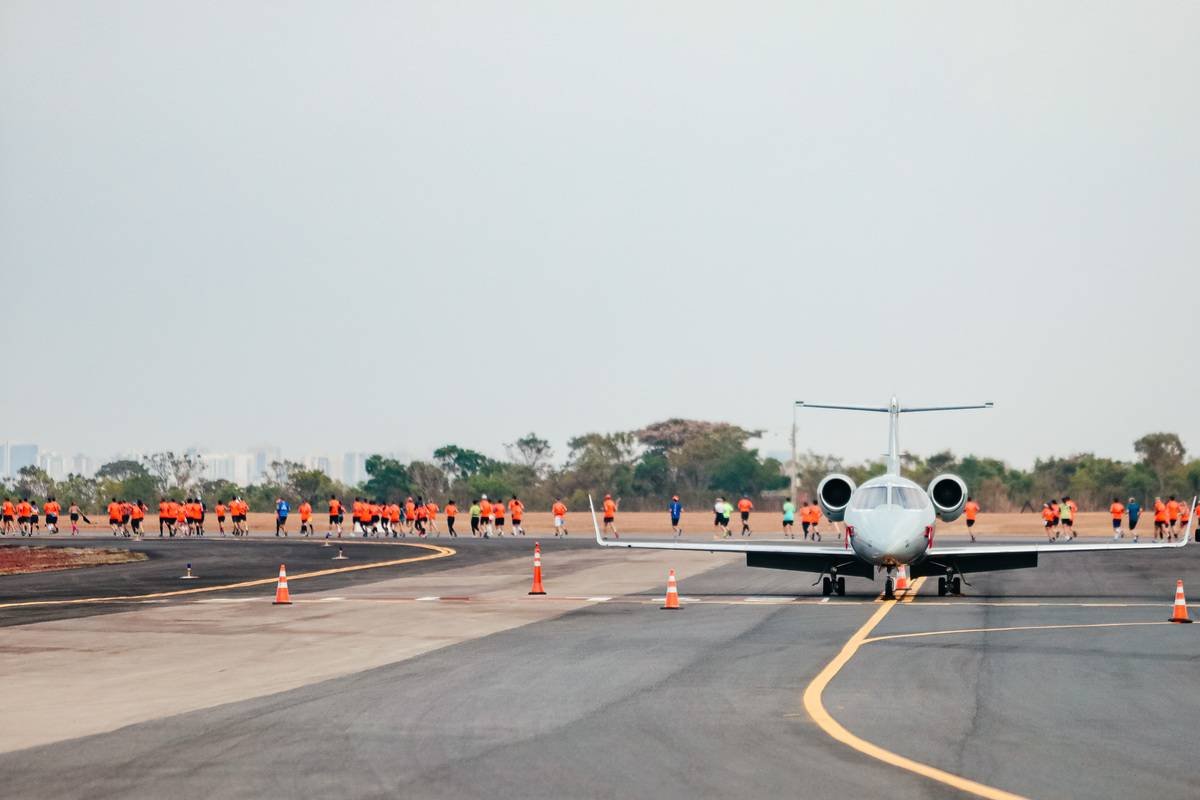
(841, 587)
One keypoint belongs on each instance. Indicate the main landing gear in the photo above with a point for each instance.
(829, 585)
(949, 585)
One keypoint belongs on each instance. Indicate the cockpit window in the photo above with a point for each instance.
(870, 497)
(908, 497)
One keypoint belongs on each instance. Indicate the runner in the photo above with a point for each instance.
(394, 519)
(202, 516)
(1074, 514)
(610, 516)
(126, 515)
(676, 510)
(719, 517)
(75, 513)
(281, 514)
(52, 509)
(376, 516)
(498, 517)
(335, 516)
(559, 510)
(422, 513)
(195, 515)
(474, 511)
(1172, 516)
(815, 521)
(451, 513)
(1183, 519)
(306, 528)
(181, 518)
(1134, 510)
(9, 511)
(789, 518)
(410, 515)
(1117, 511)
(433, 510)
(1160, 518)
(726, 517)
(137, 514)
(485, 516)
(744, 507)
(33, 518)
(1048, 521)
(114, 516)
(516, 510)
(1067, 518)
(971, 509)
(220, 511)
(1057, 517)
(25, 510)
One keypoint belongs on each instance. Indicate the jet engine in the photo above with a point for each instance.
(833, 494)
(949, 495)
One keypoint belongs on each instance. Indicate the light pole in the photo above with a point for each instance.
(795, 466)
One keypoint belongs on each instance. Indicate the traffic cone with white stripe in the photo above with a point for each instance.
(672, 593)
(282, 598)
(902, 579)
(537, 570)
(1180, 614)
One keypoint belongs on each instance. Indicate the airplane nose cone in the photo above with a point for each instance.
(896, 533)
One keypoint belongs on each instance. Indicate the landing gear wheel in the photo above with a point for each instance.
(889, 589)
(956, 585)
(941, 587)
(826, 587)
(841, 587)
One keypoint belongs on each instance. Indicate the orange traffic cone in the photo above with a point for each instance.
(902, 579)
(282, 598)
(537, 570)
(1180, 613)
(672, 593)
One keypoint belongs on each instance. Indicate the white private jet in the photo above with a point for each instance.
(890, 523)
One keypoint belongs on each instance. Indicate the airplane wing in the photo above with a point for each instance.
(990, 558)
(758, 554)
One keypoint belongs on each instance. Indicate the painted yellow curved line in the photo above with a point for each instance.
(439, 552)
(874, 639)
(816, 709)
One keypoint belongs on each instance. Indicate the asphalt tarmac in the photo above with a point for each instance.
(1064, 681)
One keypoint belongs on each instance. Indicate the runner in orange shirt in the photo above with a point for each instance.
(137, 513)
(610, 516)
(114, 516)
(52, 509)
(195, 515)
(9, 515)
(451, 513)
(559, 510)
(516, 510)
(25, 511)
(1117, 510)
(1183, 519)
(422, 516)
(306, 528)
(485, 516)
(744, 507)
(392, 513)
(971, 510)
(1048, 520)
(410, 515)
(126, 515)
(335, 516)
(1160, 518)
(181, 519)
(498, 517)
(1074, 514)
(433, 509)
(816, 521)
(1172, 516)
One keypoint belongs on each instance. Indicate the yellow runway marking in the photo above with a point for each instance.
(913, 588)
(816, 709)
(439, 552)
(919, 634)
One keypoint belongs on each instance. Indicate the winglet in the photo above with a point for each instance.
(596, 523)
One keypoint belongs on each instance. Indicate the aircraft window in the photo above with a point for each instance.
(908, 497)
(871, 497)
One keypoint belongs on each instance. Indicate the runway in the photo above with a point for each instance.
(1014, 689)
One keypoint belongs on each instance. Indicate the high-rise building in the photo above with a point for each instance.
(54, 464)
(21, 455)
(263, 456)
(83, 465)
(354, 468)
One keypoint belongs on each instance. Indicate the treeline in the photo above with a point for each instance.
(694, 459)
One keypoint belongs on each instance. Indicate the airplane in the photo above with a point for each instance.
(890, 523)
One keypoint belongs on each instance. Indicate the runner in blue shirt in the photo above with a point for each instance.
(676, 509)
(281, 512)
(1134, 510)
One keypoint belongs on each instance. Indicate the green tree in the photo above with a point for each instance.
(34, 482)
(532, 451)
(125, 479)
(180, 471)
(461, 463)
(1163, 453)
(427, 480)
(387, 480)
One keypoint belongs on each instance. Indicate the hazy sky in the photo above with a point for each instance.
(388, 226)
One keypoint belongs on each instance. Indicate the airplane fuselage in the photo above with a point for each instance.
(890, 521)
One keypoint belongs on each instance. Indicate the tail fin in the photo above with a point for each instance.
(893, 410)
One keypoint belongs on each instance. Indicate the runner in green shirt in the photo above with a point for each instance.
(474, 511)
(789, 517)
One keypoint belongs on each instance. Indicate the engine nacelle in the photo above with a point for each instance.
(833, 494)
(949, 495)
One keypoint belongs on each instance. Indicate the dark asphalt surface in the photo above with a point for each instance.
(217, 561)
(624, 700)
